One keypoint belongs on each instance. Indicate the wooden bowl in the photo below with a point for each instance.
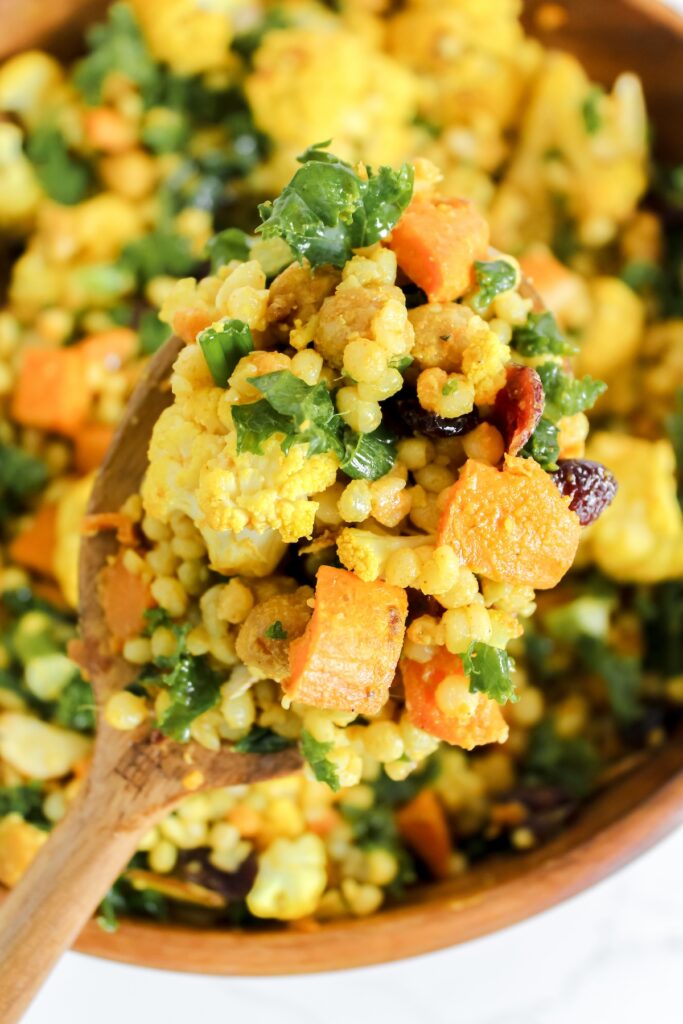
(636, 810)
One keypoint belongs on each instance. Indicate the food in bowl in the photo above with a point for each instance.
(142, 172)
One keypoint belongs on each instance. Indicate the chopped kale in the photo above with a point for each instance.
(75, 706)
(368, 456)
(543, 445)
(570, 764)
(231, 244)
(223, 347)
(117, 45)
(21, 476)
(641, 275)
(375, 827)
(328, 209)
(661, 609)
(260, 740)
(26, 800)
(489, 670)
(192, 686)
(160, 252)
(316, 753)
(65, 176)
(152, 332)
(124, 900)
(395, 793)
(621, 674)
(276, 631)
(565, 395)
(304, 413)
(493, 278)
(590, 110)
(540, 335)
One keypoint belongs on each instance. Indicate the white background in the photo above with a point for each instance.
(613, 955)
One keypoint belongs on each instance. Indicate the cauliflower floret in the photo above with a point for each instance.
(37, 749)
(484, 360)
(264, 491)
(639, 538)
(291, 879)
(246, 553)
(71, 508)
(233, 498)
(367, 553)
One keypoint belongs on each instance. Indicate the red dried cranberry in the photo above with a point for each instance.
(518, 407)
(406, 417)
(590, 485)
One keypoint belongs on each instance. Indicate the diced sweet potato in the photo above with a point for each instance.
(480, 722)
(347, 657)
(51, 391)
(436, 242)
(422, 825)
(125, 598)
(510, 525)
(91, 445)
(34, 547)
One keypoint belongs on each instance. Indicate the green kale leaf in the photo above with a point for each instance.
(231, 244)
(262, 741)
(75, 706)
(117, 45)
(316, 754)
(368, 456)
(590, 110)
(566, 395)
(540, 335)
(152, 332)
(26, 800)
(193, 687)
(621, 674)
(21, 476)
(158, 253)
(65, 176)
(223, 347)
(328, 210)
(489, 670)
(570, 764)
(543, 445)
(493, 278)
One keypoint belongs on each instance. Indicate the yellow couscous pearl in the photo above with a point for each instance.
(163, 857)
(381, 867)
(355, 503)
(125, 710)
(383, 741)
(164, 642)
(464, 625)
(415, 452)
(307, 365)
(453, 697)
(362, 416)
(364, 360)
(402, 567)
(170, 595)
(235, 602)
(485, 444)
(138, 650)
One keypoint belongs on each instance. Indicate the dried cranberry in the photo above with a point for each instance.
(406, 417)
(194, 866)
(518, 407)
(590, 485)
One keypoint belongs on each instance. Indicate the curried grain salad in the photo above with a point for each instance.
(116, 174)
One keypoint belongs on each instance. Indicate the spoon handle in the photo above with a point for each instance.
(44, 913)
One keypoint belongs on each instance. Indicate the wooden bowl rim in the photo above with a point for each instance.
(507, 890)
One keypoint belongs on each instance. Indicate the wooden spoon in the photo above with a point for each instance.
(135, 777)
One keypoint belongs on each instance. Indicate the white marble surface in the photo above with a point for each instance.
(613, 955)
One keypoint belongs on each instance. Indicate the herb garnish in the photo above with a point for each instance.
(328, 209)
(540, 335)
(493, 278)
(489, 670)
(316, 753)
